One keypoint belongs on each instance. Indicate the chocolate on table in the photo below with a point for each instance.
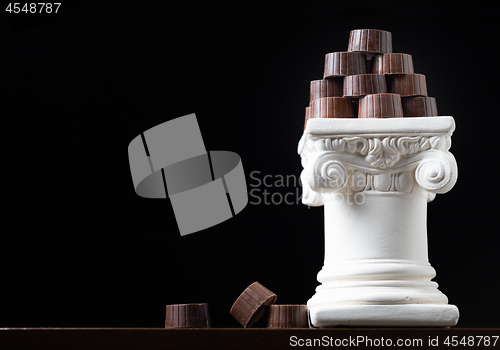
(364, 84)
(286, 316)
(380, 106)
(419, 107)
(325, 88)
(407, 84)
(338, 64)
(250, 305)
(392, 63)
(370, 41)
(332, 107)
(187, 316)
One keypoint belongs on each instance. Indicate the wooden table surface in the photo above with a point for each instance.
(239, 338)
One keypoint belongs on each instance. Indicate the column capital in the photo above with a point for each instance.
(387, 155)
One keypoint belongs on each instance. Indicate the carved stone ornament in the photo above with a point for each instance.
(374, 178)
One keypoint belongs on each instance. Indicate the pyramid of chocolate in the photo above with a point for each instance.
(378, 82)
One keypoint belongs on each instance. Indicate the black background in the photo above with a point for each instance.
(79, 248)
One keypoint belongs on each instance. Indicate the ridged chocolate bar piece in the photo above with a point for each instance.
(187, 316)
(308, 115)
(250, 305)
(419, 107)
(332, 107)
(371, 41)
(364, 84)
(326, 88)
(380, 106)
(286, 316)
(407, 84)
(339, 64)
(392, 63)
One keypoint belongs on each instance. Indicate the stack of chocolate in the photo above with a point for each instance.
(257, 302)
(369, 81)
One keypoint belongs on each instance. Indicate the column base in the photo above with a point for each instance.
(406, 315)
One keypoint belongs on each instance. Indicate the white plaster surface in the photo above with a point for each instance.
(374, 178)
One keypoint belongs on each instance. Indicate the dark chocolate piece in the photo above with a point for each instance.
(325, 88)
(338, 64)
(250, 305)
(308, 115)
(187, 316)
(380, 106)
(392, 63)
(407, 84)
(371, 41)
(286, 316)
(332, 107)
(364, 84)
(419, 107)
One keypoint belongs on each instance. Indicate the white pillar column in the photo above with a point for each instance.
(374, 178)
